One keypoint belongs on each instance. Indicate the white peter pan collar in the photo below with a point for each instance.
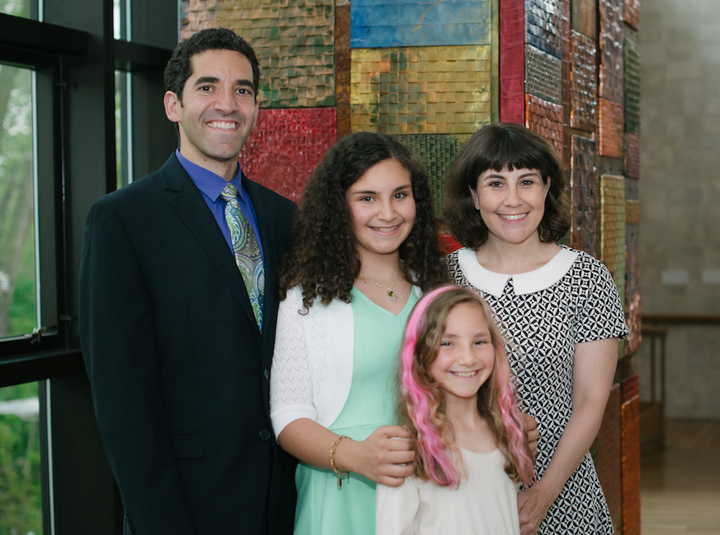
(523, 283)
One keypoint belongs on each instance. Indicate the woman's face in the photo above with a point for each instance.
(511, 203)
(382, 207)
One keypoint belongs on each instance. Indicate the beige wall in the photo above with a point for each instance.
(680, 193)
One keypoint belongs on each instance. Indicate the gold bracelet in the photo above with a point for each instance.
(339, 473)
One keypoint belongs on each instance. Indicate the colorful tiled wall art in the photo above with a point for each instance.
(631, 79)
(285, 146)
(632, 13)
(438, 152)
(545, 118)
(611, 50)
(343, 64)
(543, 75)
(293, 40)
(631, 162)
(583, 79)
(633, 311)
(584, 17)
(631, 465)
(612, 227)
(543, 26)
(611, 129)
(400, 23)
(609, 446)
(421, 90)
(584, 196)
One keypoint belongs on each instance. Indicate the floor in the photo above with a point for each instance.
(680, 485)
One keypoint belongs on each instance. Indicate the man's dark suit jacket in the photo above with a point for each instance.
(178, 369)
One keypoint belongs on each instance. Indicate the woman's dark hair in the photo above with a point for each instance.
(323, 258)
(178, 69)
(497, 146)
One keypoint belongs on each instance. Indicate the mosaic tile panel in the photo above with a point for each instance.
(631, 162)
(545, 118)
(512, 61)
(293, 40)
(632, 190)
(612, 227)
(399, 23)
(631, 14)
(611, 129)
(584, 196)
(630, 388)
(609, 449)
(543, 75)
(285, 146)
(632, 210)
(421, 90)
(565, 101)
(633, 312)
(438, 152)
(543, 25)
(448, 244)
(631, 79)
(343, 66)
(611, 50)
(583, 79)
(631, 466)
(584, 17)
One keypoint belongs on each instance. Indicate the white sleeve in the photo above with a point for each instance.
(396, 508)
(291, 375)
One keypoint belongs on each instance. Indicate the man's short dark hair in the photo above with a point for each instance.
(178, 69)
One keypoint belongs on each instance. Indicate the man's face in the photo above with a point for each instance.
(218, 108)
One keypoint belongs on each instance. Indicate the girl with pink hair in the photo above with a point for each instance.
(457, 402)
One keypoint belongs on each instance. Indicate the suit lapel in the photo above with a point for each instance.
(187, 201)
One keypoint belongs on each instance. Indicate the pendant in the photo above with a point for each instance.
(392, 295)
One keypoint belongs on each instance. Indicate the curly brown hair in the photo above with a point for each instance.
(498, 146)
(323, 258)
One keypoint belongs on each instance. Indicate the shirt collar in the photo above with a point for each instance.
(523, 283)
(208, 182)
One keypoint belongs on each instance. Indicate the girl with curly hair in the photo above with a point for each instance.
(364, 248)
(457, 401)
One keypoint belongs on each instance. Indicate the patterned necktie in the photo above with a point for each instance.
(247, 251)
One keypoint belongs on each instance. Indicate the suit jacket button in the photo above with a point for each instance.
(266, 374)
(265, 434)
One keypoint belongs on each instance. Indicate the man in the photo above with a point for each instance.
(178, 304)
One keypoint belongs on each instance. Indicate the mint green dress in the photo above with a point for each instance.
(322, 507)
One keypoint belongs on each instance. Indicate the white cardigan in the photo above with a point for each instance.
(313, 361)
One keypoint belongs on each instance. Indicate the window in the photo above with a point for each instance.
(18, 244)
(80, 116)
(19, 8)
(20, 463)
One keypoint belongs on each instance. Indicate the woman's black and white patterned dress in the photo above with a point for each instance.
(544, 313)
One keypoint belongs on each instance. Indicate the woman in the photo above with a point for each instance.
(364, 247)
(559, 309)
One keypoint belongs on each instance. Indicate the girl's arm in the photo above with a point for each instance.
(294, 416)
(380, 457)
(594, 369)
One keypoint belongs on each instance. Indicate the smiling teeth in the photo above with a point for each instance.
(224, 126)
(385, 229)
(513, 217)
(465, 374)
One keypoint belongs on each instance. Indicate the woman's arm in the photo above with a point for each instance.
(594, 369)
(380, 457)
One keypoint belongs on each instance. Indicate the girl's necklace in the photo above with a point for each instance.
(390, 294)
